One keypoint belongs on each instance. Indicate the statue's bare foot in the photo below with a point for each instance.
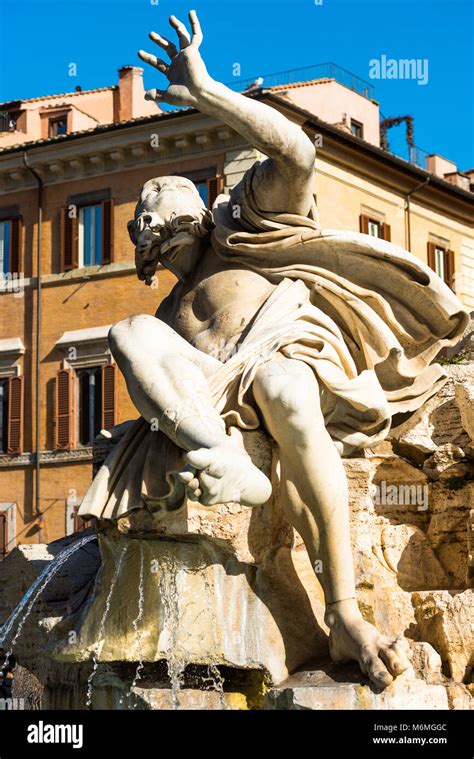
(225, 474)
(353, 639)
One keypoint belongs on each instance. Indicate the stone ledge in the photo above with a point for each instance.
(46, 457)
(332, 686)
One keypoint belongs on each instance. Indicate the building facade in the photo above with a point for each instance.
(67, 192)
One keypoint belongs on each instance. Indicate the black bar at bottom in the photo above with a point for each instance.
(377, 733)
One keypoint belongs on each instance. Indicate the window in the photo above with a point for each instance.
(74, 523)
(208, 184)
(5, 242)
(357, 128)
(441, 260)
(85, 404)
(4, 385)
(90, 235)
(440, 268)
(7, 121)
(11, 407)
(3, 535)
(79, 524)
(7, 528)
(203, 191)
(374, 227)
(10, 231)
(57, 126)
(89, 404)
(86, 234)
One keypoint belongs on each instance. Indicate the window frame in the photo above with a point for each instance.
(206, 176)
(72, 521)
(79, 372)
(92, 352)
(4, 381)
(449, 261)
(80, 235)
(56, 120)
(358, 125)
(8, 513)
(4, 271)
(370, 216)
(375, 223)
(71, 251)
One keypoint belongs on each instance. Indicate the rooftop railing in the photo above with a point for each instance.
(317, 71)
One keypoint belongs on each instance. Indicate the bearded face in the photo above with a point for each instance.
(169, 218)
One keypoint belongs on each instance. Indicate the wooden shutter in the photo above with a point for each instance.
(214, 188)
(449, 268)
(3, 534)
(385, 231)
(364, 224)
(431, 256)
(65, 437)
(107, 231)
(108, 396)
(69, 258)
(15, 414)
(15, 246)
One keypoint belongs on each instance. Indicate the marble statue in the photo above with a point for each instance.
(321, 337)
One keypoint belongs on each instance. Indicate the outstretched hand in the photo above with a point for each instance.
(186, 73)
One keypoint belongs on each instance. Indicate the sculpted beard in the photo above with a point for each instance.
(162, 244)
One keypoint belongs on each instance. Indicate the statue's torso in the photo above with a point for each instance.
(216, 305)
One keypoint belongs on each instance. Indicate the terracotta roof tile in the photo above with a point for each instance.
(61, 95)
(91, 130)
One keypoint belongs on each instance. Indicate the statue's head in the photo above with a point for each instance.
(171, 222)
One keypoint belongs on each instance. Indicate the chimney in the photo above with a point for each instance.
(440, 166)
(131, 92)
(459, 179)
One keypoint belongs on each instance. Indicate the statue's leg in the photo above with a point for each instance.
(167, 381)
(315, 497)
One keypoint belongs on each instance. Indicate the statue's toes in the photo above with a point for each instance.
(186, 476)
(375, 669)
(402, 649)
(392, 661)
(210, 489)
(194, 495)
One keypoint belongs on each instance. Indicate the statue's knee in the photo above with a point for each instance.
(117, 339)
(138, 335)
(293, 396)
(123, 335)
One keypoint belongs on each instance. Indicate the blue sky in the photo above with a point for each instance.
(263, 36)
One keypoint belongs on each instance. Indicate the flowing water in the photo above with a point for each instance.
(35, 590)
(176, 662)
(135, 623)
(170, 599)
(101, 639)
(214, 675)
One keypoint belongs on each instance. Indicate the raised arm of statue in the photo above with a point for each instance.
(291, 153)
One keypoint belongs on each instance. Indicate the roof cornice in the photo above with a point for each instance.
(106, 150)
